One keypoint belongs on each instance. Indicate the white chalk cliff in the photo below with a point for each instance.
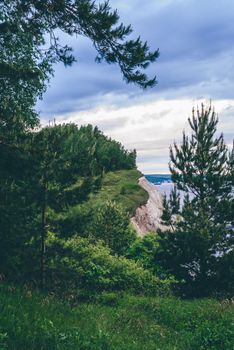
(148, 217)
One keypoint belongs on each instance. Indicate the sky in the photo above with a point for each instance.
(196, 64)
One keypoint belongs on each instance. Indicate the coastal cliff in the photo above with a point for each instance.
(148, 217)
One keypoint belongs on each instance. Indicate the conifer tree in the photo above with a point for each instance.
(171, 208)
(31, 43)
(59, 175)
(204, 235)
(199, 165)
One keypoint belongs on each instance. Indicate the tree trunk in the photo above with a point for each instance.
(43, 238)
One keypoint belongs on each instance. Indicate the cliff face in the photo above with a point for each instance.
(147, 217)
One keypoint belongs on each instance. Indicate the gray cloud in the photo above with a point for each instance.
(195, 43)
(196, 62)
(151, 127)
(112, 124)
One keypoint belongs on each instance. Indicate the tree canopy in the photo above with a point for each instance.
(30, 44)
(54, 169)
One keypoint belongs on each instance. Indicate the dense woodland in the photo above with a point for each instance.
(56, 168)
(67, 194)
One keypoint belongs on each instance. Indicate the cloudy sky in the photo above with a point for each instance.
(196, 64)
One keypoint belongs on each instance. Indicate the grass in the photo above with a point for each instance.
(122, 187)
(30, 321)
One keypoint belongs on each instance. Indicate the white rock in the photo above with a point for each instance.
(148, 217)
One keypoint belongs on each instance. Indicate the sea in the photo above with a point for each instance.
(164, 185)
(163, 182)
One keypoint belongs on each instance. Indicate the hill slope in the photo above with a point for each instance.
(122, 187)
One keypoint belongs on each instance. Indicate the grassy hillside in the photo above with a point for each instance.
(33, 321)
(119, 186)
(122, 187)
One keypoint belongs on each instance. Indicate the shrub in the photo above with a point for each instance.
(80, 264)
(111, 224)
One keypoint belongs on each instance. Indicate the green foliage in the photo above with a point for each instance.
(23, 72)
(111, 155)
(40, 171)
(199, 165)
(171, 208)
(77, 218)
(122, 188)
(30, 45)
(34, 321)
(56, 158)
(80, 264)
(110, 223)
(198, 245)
(3, 341)
(46, 172)
(56, 169)
(143, 250)
(109, 298)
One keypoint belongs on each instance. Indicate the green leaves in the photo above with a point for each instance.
(81, 264)
(198, 243)
(199, 164)
(111, 224)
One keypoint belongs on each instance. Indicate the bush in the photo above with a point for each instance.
(80, 264)
(143, 250)
(111, 224)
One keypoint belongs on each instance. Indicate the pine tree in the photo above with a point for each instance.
(171, 208)
(62, 172)
(204, 235)
(30, 45)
